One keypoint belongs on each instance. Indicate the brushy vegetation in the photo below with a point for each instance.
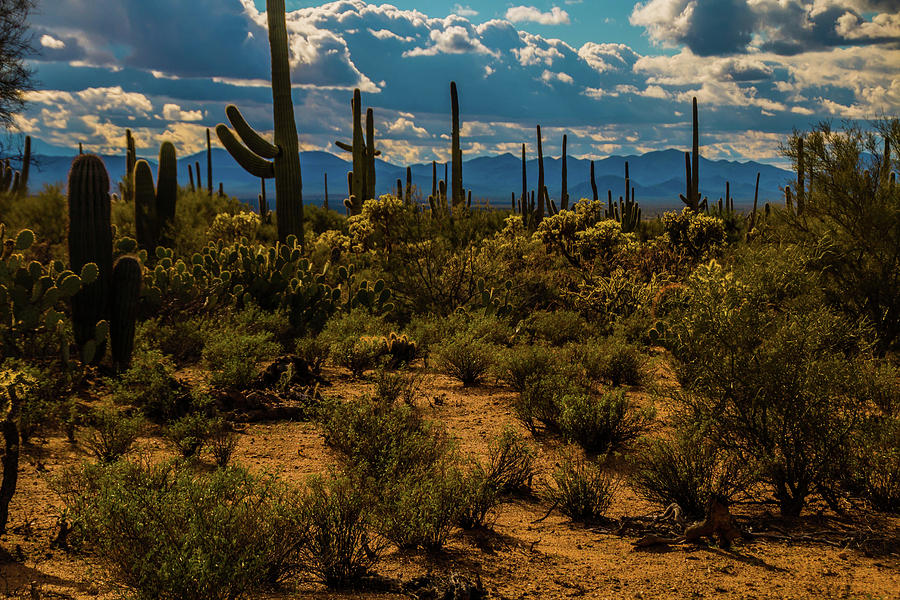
(776, 331)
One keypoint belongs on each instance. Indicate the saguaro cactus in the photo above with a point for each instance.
(126, 290)
(692, 166)
(457, 193)
(261, 158)
(362, 148)
(209, 177)
(154, 207)
(90, 241)
(564, 194)
(540, 189)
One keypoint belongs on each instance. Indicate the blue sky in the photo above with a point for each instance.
(616, 76)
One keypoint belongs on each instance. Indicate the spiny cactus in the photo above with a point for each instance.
(325, 202)
(692, 166)
(21, 187)
(594, 183)
(154, 207)
(263, 203)
(408, 198)
(564, 194)
(261, 158)
(801, 176)
(199, 179)
(191, 177)
(457, 193)
(209, 177)
(90, 241)
(126, 291)
(540, 202)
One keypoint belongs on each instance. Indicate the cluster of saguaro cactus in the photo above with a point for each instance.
(691, 197)
(106, 304)
(437, 200)
(626, 211)
(362, 148)
(154, 205)
(262, 158)
(16, 182)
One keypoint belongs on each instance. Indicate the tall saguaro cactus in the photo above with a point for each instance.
(209, 177)
(257, 155)
(362, 148)
(564, 194)
(126, 291)
(154, 205)
(541, 187)
(457, 193)
(692, 166)
(90, 241)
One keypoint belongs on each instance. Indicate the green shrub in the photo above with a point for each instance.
(511, 462)
(582, 492)
(696, 234)
(112, 433)
(358, 355)
(169, 534)
(149, 385)
(313, 351)
(876, 464)
(189, 434)
(557, 328)
(466, 358)
(603, 424)
(222, 442)
(688, 470)
(182, 339)
(336, 547)
(480, 496)
(541, 395)
(514, 365)
(619, 363)
(233, 357)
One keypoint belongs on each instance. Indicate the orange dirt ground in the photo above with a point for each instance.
(521, 557)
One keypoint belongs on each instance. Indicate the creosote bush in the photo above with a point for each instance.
(112, 433)
(582, 491)
(602, 424)
(233, 357)
(466, 358)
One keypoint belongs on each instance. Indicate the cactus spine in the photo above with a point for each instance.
(255, 156)
(126, 290)
(90, 241)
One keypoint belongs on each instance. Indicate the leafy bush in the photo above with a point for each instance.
(688, 470)
(876, 464)
(313, 351)
(557, 328)
(222, 442)
(466, 358)
(234, 355)
(182, 339)
(231, 228)
(541, 396)
(171, 535)
(149, 385)
(112, 433)
(582, 492)
(697, 235)
(514, 365)
(510, 462)
(775, 377)
(479, 499)
(336, 547)
(190, 433)
(618, 363)
(358, 354)
(602, 424)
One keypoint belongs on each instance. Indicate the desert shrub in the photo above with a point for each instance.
(582, 491)
(313, 351)
(353, 325)
(875, 468)
(231, 228)
(557, 328)
(466, 358)
(420, 508)
(149, 385)
(358, 355)
(111, 433)
(336, 547)
(189, 434)
(777, 382)
(696, 234)
(514, 365)
(480, 496)
(182, 339)
(687, 469)
(43, 399)
(173, 535)
(233, 357)
(45, 213)
(393, 386)
(602, 424)
(541, 395)
(222, 442)
(620, 363)
(511, 462)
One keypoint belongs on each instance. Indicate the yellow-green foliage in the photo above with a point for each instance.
(234, 227)
(698, 235)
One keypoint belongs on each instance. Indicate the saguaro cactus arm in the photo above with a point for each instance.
(251, 162)
(255, 142)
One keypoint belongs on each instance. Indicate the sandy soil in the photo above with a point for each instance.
(520, 557)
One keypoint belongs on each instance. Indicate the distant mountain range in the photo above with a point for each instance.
(657, 177)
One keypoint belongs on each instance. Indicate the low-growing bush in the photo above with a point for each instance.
(358, 355)
(514, 365)
(313, 351)
(336, 546)
(687, 469)
(541, 395)
(480, 498)
(189, 434)
(466, 358)
(149, 385)
(182, 339)
(511, 462)
(222, 442)
(556, 328)
(876, 464)
(233, 357)
(602, 424)
(172, 535)
(111, 433)
(582, 492)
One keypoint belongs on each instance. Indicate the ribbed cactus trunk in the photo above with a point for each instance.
(540, 189)
(209, 177)
(695, 149)
(801, 175)
(564, 194)
(263, 201)
(199, 179)
(359, 155)
(596, 195)
(126, 291)
(288, 179)
(524, 179)
(130, 161)
(191, 176)
(408, 198)
(166, 193)
(434, 180)
(457, 193)
(21, 187)
(370, 154)
(90, 241)
(145, 217)
(325, 203)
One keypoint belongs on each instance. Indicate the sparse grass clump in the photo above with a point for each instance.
(582, 491)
